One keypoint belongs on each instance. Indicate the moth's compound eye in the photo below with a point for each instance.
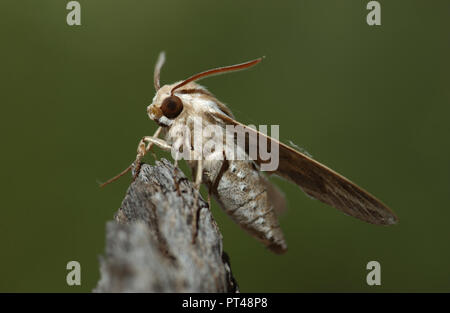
(172, 107)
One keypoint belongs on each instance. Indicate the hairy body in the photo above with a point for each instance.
(237, 185)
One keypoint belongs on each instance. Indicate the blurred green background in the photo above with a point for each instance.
(370, 102)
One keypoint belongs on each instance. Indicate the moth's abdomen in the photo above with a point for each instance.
(245, 195)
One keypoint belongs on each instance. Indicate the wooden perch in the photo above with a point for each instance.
(149, 247)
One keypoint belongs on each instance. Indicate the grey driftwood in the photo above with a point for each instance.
(149, 245)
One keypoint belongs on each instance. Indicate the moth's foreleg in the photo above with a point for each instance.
(144, 147)
(150, 141)
(147, 143)
(142, 150)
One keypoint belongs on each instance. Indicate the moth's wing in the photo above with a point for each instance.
(320, 182)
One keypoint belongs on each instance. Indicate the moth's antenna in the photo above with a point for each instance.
(157, 72)
(216, 71)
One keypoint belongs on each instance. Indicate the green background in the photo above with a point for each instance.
(370, 102)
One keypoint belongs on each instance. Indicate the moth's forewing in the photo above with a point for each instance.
(322, 183)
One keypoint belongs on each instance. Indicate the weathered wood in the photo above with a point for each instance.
(149, 247)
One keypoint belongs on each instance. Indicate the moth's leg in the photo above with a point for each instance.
(145, 146)
(223, 169)
(143, 149)
(175, 172)
(198, 177)
(197, 184)
(150, 140)
(213, 187)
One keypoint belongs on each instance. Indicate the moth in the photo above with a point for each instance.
(238, 185)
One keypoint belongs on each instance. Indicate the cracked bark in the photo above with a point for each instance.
(149, 245)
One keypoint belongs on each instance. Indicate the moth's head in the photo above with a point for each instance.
(166, 105)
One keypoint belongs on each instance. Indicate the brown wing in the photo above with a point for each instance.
(322, 183)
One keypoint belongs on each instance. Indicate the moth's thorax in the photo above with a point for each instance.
(197, 101)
